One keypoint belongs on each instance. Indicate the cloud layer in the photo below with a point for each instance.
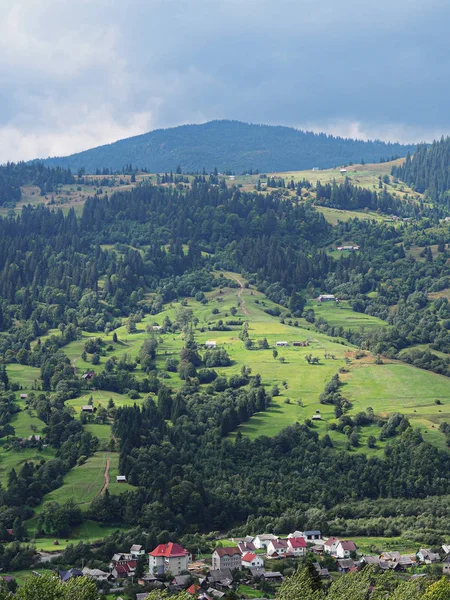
(79, 74)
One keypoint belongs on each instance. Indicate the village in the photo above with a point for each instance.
(250, 562)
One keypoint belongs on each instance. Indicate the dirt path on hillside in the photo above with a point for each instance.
(241, 289)
(105, 475)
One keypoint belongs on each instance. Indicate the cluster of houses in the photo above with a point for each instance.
(252, 554)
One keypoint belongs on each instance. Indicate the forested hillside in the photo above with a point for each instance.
(230, 146)
(140, 337)
(428, 170)
(13, 176)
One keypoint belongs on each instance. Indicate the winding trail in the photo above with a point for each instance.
(105, 475)
(239, 282)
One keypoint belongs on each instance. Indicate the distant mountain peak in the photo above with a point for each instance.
(230, 145)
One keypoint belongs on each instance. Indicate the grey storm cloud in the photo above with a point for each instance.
(78, 74)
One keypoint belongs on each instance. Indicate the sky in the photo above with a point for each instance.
(78, 74)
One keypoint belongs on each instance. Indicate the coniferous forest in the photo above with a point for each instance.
(61, 275)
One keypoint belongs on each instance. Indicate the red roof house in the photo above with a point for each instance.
(168, 557)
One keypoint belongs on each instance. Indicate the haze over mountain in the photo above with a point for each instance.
(230, 145)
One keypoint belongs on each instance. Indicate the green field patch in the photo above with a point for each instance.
(397, 387)
(100, 398)
(24, 375)
(24, 423)
(334, 215)
(83, 483)
(10, 459)
(88, 532)
(342, 315)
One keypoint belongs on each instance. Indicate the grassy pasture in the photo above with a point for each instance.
(341, 314)
(397, 387)
(10, 459)
(88, 532)
(334, 215)
(83, 483)
(24, 375)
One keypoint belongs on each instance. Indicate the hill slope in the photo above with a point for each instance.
(230, 145)
(428, 170)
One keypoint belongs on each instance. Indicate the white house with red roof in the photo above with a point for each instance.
(250, 560)
(296, 546)
(330, 545)
(344, 548)
(168, 557)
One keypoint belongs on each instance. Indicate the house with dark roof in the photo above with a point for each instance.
(273, 576)
(226, 558)
(66, 575)
(124, 570)
(428, 557)
(245, 547)
(312, 535)
(168, 557)
(181, 581)
(277, 548)
(344, 548)
(345, 565)
(219, 575)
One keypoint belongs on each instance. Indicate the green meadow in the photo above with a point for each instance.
(423, 397)
(387, 388)
(85, 482)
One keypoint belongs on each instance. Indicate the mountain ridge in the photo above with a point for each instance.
(229, 146)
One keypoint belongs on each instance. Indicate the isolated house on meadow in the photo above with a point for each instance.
(210, 344)
(88, 408)
(325, 297)
(88, 375)
(282, 343)
(121, 479)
